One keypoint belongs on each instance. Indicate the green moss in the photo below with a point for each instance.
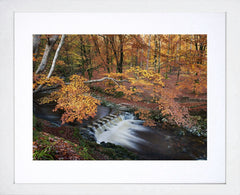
(36, 123)
(118, 94)
(61, 132)
(109, 104)
(97, 89)
(76, 132)
(156, 115)
(116, 152)
(85, 154)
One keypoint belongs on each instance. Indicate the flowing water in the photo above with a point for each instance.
(149, 143)
(121, 131)
(125, 130)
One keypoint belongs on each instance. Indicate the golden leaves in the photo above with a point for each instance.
(115, 75)
(41, 79)
(74, 100)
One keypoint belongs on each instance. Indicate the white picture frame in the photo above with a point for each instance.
(7, 172)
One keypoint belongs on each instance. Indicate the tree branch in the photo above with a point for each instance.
(106, 78)
(86, 82)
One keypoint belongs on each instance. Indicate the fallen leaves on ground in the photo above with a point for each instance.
(58, 148)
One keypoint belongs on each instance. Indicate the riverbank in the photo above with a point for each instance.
(66, 143)
(75, 141)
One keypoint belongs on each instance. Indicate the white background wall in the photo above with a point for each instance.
(7, 8)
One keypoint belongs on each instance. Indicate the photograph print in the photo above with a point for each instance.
(119, 96)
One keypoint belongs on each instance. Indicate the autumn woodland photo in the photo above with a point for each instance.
(120, 97)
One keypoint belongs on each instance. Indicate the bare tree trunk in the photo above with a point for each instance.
(178, 58)
(196, 42)
(54, 61)
(107, 53)
(51, 41)
(56, 56)
(141, 64)
(95, 40)
(89, 59)
(132, 53)
(106, 78)
(120, 65)
(170, 50)
(190, 53)
(136, 59)
(191, 43)
(166, 75)
(149, 46)
(155, 53)
(159, 55)
(112, 41)
(36, 42)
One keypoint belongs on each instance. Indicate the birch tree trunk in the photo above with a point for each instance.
(36, 42)
(51, 41)
(54, 61)
(56, 56)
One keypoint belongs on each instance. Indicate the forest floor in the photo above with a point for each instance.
(196, 103)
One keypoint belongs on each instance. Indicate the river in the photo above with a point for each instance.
(149, 143)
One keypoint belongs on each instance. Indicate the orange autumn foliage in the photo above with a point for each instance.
(75, 100)
(145, 116)
(183, 58)
(140, 82)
